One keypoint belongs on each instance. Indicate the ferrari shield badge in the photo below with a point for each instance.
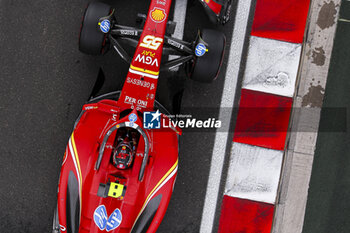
(103, 222)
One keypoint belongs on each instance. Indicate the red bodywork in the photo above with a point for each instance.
(147, 58)
(214, 6)
(96, 123)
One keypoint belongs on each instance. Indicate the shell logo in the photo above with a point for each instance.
(158, 15)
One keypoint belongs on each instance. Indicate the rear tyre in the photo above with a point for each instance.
(91, 39)
(205, 68)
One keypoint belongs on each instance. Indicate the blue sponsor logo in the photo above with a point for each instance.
(132, 117)
(105, 26)
(151, 120)
(200, 50)
(103, 222)
(114, 220)
(100, 217)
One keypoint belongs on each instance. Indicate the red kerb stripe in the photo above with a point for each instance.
(281, 19)
(262, 119)
(245, 216)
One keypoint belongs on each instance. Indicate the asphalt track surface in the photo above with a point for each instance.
(44, 82)
(328, 205)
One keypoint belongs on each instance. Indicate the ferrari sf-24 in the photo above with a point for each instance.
(120, 164)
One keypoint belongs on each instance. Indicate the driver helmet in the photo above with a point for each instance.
(123, 155)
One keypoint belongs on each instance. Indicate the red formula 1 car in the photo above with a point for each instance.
(120, 164)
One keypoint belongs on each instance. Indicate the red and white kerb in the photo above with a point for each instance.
(263, 117)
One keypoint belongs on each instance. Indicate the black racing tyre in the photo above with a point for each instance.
(91, 39)
(206, 68)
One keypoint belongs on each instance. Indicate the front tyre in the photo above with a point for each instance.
(91, 39)
(208, 58)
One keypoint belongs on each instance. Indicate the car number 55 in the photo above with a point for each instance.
(151, 42)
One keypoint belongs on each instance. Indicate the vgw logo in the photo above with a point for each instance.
(151, 120)
(103, 222)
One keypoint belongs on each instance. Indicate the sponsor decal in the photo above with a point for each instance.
(147, 60)
(175, 44)
(161, 2)
(151, 42)
(114, 220)
(103, 222)
(158, 15)
(105, 25)
(150, 96)
(151, 120)
(200, 50)
(132, 100)
(128, 32)
(148, 53)
(139, 82)
(100, 217)
(86, 108)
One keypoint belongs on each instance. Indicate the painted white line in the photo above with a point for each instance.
(227, 101)
(344, 20)
(179, 18)
(254, 173)
(272, 66)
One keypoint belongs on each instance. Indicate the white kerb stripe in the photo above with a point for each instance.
(254, 173)
(272, 66)
(227, 101)
(179, 18)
